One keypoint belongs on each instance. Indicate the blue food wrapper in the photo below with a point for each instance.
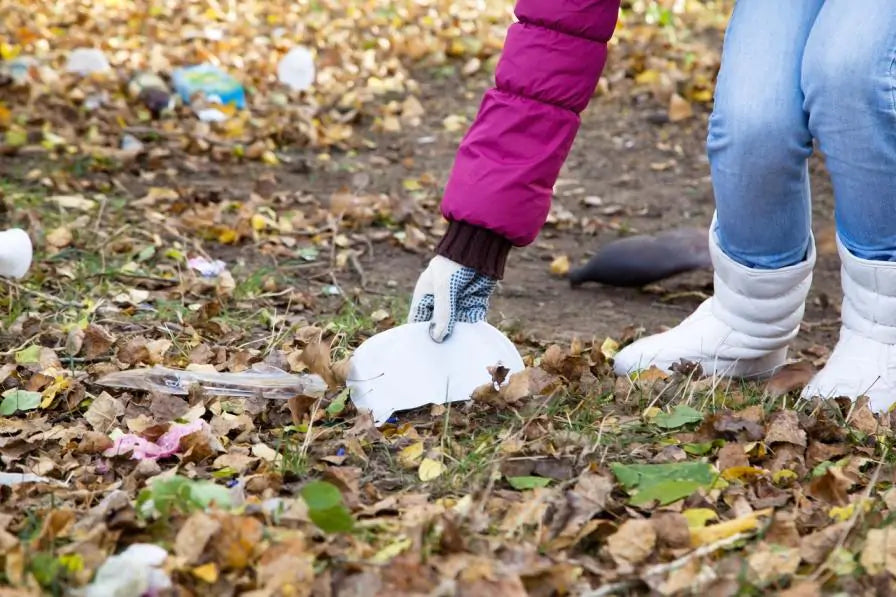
(211, 81)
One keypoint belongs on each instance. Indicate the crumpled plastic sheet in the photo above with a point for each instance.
(135, 572)
(167, 445)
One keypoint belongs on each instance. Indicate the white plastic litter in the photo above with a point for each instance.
(86, 61)
(131, 143)
(296, 69)
(261, 381)
(16, 252)
(206, 267)
(10, 479)
(403, 368)
(133, 573)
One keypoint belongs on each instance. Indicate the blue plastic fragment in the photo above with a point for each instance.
(211, 81)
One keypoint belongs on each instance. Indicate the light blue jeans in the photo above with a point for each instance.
(794, 72)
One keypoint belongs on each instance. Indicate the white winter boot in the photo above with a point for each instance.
(864, 361)
(742, 331)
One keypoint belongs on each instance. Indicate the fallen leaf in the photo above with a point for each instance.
(633, 542)
(560, 265)
(193, 537)
(803, 588)
(785, 427)
(430, 469)
(679, 108)
(523, 483)
(723, 530)
(789, 378)
(879, 552)
(104, 412)
(409, 456)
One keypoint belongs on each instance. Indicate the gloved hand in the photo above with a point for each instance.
(448, 292)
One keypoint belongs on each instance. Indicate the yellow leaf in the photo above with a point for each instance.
(259, 222)
(647, 77)
(411, 184)
(9, 51)
(5, 116)
(227, 236)
(783, 475)
(651, 412)
(609, 348)
(698, 517)
(560, 265)
(391, 551)
(430, 469)
(59, 384)
(269, 158)
(739, 473)
(409, 456)
(844, 513)
(704, 95)
(206, 573)
(723, 530)
(653, 373)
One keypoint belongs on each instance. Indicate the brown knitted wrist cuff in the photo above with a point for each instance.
(475, 247)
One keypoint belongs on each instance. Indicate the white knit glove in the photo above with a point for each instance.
(448, 292)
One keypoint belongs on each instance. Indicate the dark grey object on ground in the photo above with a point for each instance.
(643, 259)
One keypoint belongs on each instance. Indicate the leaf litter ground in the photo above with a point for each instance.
(322, 207)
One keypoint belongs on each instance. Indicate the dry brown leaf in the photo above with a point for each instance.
(237, 541)
(815, 547)
(879, 553)
(831, 487)
(803, 588)
(104, 412)
(785, 427)
(671, 529)
(60, 238)
(97, 341)
(286, 566)
(772, 563)
(790, 378)
(679, 108)
(316, 355)
(194, 536)
(134, 352)
(632, 543)
(862, 418)
(732, 455)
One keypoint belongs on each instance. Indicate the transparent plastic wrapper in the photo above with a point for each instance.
(261, 381)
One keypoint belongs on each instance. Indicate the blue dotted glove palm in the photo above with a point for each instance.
(448, 292)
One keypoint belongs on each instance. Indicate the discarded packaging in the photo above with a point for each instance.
(261, 381)
(152, 91)
(207, 268)
(9, 479)
(296, 69)
(16, 253)
(133, 573)
(131, 143)
(86, 61)
(403, 368)
(213, 83)
(168, 443)
(20, 70)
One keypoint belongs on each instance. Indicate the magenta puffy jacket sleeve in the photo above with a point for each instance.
(499, 192)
